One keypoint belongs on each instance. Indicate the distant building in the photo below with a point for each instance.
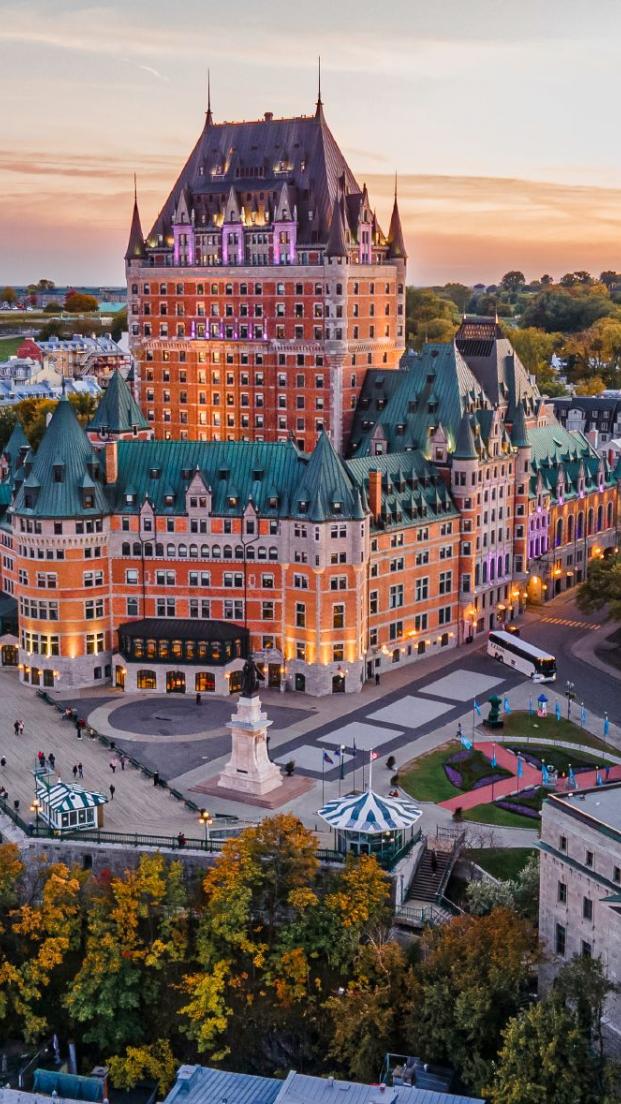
(597, 416)
(28, 378)
(79, 356)
(580, 883)
(200, 1084)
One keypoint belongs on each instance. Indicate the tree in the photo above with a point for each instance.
(119, 324)
(594, 385)
(78, 303)
(367, 1015)
(520, 894)
(546, 279)
(582, 985)
(567, 309)
(513, 281)
(473, 977)
(8, 295)
(602, 589)
(545, 1056)
(53, 307)
(534, 347)
(610, 278)
(46, 285)
(459, 294)
(155, 1061)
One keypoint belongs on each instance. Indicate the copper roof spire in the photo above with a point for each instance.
(208, 113)
(319, 104)
(395, 232)
(135, 245)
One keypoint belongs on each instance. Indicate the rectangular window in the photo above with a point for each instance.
(560, 939)
(587, 908)
(300, 615)
(422, 589)
(561, 893)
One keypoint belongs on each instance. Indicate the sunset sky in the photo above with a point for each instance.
(499, 115)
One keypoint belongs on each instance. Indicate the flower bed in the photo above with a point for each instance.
(468, 769)
(526, 804)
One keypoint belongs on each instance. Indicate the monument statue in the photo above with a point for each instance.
(250, 679)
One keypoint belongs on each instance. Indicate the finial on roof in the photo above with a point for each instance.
(319, 104)
(208, 115)
(395, 183)
(135, 189)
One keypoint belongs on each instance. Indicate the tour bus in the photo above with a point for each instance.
(516, 653)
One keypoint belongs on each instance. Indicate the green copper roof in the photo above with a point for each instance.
(118, 411)
(54, 484)
(325, 482)
(555, 451)
(412, 491)
(519, 432)
(16, 442)
(465, 448)
(400, 409)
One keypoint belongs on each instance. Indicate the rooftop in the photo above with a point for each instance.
(602, 805)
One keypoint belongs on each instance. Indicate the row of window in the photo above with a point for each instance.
(244, 288)
(45, 645)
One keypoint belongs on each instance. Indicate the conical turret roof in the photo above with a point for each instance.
(465, 448)
(59, 467)
(326, 482)
(118, 411)
(337, 242)
(519, 432)
(395, 234)
(135, 245)
(16, 442)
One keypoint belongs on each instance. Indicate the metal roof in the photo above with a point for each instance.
(201, 1085)
(118, 411)
(302, 1089)
(370, 813)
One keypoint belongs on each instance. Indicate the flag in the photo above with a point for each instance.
(557, 711)
(476, 707)
(328, 759)
(493, 758)
(465, 741)
(545, 775)
(374, 755)
(606, 724)
(571, 776)
(599, 781)
(583, 716)
(530, 707)
(520, 766)
(505, 705)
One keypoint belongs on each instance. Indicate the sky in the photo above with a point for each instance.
(499, 116)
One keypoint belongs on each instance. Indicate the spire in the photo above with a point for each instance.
(118, 412)
(337, 242)
(395, 232)
(319, 104)
(208, 113)
(465, 448)
(135, 245)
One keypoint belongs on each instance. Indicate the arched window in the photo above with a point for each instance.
(228, 552)
(204, 551)
(590, 522)
(600, 518)
(137, 548)
(170, 551)
(559, 532)
(239, 552)
(610, 516)
(183, 551)
(126, 549)
(492, 570)
(570, 528)
(216, 552)
(250, 552)
(484, 580)
(477, 575)
(148, 549)
(193, 551)
(273, 553)
(262, 553)
(499, 566)
(159, 549)
(146, 680)
(507, 563)
(580, 528)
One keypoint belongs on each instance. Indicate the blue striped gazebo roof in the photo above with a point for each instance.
(370, 813)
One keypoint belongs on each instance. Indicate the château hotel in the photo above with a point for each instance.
(283, 477)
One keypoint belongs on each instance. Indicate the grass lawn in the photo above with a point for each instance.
(9, 346)
(520, 724)
(426, 778)
(491, 814)
(501, 862)
(560, 758)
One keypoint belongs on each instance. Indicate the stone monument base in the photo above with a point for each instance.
(250, 770)
(286, 791)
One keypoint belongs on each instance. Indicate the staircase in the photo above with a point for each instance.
(428, 884)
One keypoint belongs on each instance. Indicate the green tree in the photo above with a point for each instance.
(46, 285)
(459, 294)
(546, 279)
(119, 324)
(583, 987)
(567, 310)
(473, 976)
(534, 347)
(610, 278)
(545, 1057)
(602, 589)
(513, 281)
(8, 295)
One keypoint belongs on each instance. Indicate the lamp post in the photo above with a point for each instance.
(570, 694)
(341, 766)
(36, 809)
(206, 819)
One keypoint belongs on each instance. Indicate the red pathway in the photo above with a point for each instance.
(507, 786)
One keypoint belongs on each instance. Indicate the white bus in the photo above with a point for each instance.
(510, 649)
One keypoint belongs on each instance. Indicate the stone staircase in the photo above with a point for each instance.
(428, 884)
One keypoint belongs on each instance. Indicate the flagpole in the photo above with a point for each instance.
(370, 770)
(323, 779)
(355, 750)
(363, 787)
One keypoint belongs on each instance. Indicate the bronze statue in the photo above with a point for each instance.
(250, 679)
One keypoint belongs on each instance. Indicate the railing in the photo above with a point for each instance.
(458, 843)
(419, 915)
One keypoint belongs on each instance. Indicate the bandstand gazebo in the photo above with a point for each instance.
(368, 824)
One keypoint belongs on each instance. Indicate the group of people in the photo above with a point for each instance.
(46, 761)
(18, 728)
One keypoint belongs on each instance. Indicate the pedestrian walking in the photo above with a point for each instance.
(3, 762)
(156, 778)
(198, 699)
(41, 758)
(377, 678)
(21, 728)
(181, 840)
(75, 770)
(122, 762)
(16, 728)
(112, 791)
(434, 863)
(113, 766)
(51, 760)
(78, 730)
(80, 771)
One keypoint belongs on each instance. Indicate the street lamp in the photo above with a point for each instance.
(341, 766)
(570, 694)
(36, 809)
(206, 819)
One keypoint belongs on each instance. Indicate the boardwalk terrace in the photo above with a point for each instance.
(265, 288)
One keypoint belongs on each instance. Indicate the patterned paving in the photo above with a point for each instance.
(366, 736)
(410, 711)
(461, 685)
(589, 625)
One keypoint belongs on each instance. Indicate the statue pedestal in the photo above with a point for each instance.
(249, 770)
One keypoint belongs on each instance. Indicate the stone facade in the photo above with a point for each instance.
(580, 884)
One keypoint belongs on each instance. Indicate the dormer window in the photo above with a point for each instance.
(88, 500)
(59, 473)
(337, 507)
(154, 473)
(224, 473)
(303, 506)
(273, 502)
(232, 500)
(130, 499)
(169, 499)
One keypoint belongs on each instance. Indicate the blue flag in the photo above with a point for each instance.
(520, 766)
(557, 711)
(493, 758)
(476, 707)
(545, 775)
(465, 741)
(571, 775)
(606, 724)
(530, 707)
(599, 781)
(328, 759)
(506, 706)
(583, 716)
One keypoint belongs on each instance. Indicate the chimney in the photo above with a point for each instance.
(375, 492)
(112, 462)
(268, 116)
(592, 436)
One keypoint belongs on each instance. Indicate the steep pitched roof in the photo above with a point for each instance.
(519, 433)
(14, 446)
(65, 447)
(412, 491)
(326, 486)
(337, 244)
(135, 245)
(395, 234)
(465, 448)
(118, 411)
